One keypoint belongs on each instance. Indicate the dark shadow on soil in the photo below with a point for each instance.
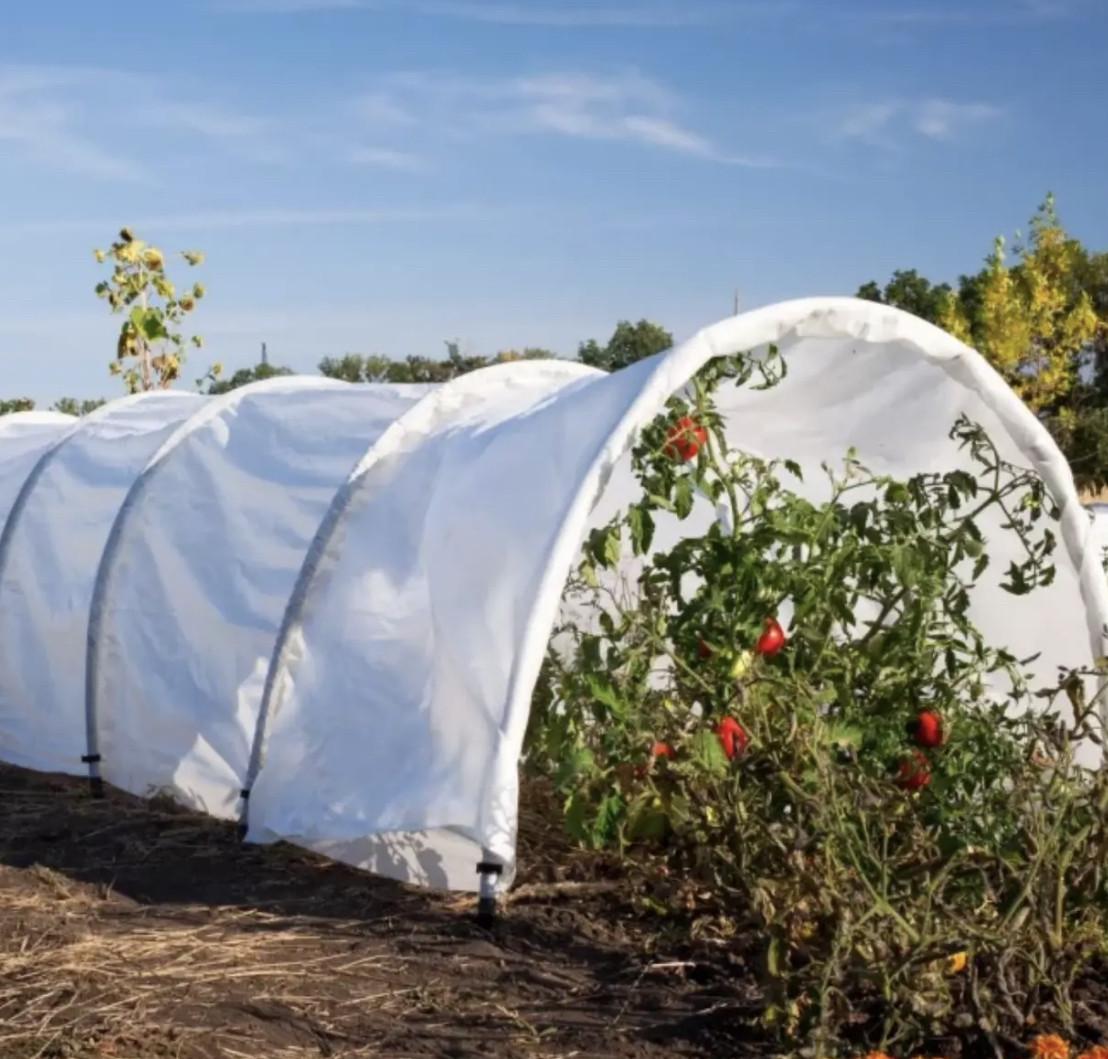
(581, 973)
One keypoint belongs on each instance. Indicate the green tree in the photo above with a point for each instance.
(73, 406)
(16, 404)
(910, 291)
(150, 349)
(629, 343)
(354, 367)
(242, 377)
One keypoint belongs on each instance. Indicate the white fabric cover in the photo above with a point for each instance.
(24, 437)
(198, 573)
(52, 542)
(432, 602)
(394, 666)
(381, 596)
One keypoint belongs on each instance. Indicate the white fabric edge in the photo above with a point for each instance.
(831, 317)
(413, 421)
(35, 416)
(204, 414)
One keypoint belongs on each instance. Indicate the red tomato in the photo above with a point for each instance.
(732, 736)
(772, 639)
(914, 773)
(703, 651)
(685, 440)
(927, 729)
(661, 750)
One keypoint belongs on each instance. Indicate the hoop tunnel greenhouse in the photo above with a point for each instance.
(321, 608)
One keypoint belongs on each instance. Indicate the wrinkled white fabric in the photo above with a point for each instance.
(412, 652)
(198, 574)
(340, 596)
(24, 437)
(48, 558)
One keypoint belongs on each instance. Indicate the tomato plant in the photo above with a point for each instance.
(869, 794)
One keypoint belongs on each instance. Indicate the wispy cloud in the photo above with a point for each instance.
(386, 158)
(75, 118)
(629, 14)
(41, 121)
(626, 107)
(223, 220)
(885, 123)
(1008, 13)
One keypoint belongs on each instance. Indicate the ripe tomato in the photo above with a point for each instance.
(732, 736)
(914, 773)
(772, 639)
(661, 750)
(927, 729)
(685, 440)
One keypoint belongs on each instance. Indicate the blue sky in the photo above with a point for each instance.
(381, 175)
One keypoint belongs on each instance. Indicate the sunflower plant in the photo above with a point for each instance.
(151, 347)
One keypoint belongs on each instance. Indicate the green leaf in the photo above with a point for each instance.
(683, 496)
(578, 764)
(577, 816)
(642, 528)
(845, 735)
(707, 754)
(646, 820)
(608, 816)
(603, 691)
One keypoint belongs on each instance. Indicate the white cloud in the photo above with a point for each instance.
(82, 120)
(222, 220)
(885, 123)
(386, 158)
(625, 107)
(644, 13)
(40, 119)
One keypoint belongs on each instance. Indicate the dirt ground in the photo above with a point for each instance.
(134, 929)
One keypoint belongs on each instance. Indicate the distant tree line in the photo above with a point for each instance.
(1041, 319)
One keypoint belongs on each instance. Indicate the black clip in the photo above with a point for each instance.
(90, 759)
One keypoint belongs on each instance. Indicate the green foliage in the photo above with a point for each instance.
(16, 404)
(863, 860)
(628, 344)
(910, 291)
(354, 367)
(74, 406)
(242, 377)
(150, 348)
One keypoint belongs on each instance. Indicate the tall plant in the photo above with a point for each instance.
(151, 347)
(792, 722)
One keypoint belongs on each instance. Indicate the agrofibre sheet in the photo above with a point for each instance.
(322, 608)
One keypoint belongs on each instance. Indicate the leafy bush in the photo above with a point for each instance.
(916, 850)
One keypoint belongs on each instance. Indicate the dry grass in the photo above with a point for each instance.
(134, 929)
(80, 966)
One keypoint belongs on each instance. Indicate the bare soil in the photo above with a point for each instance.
(132, 928)
(135, 929)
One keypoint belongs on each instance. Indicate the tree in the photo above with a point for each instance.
(1039, 321)
(354, 367)
(629, 343)
(16, 404)
(150, 349)
(72, 406)
(242, 377)
(1035, 322)
(910, 291)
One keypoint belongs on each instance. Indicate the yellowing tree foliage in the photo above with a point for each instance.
(1033, 321)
